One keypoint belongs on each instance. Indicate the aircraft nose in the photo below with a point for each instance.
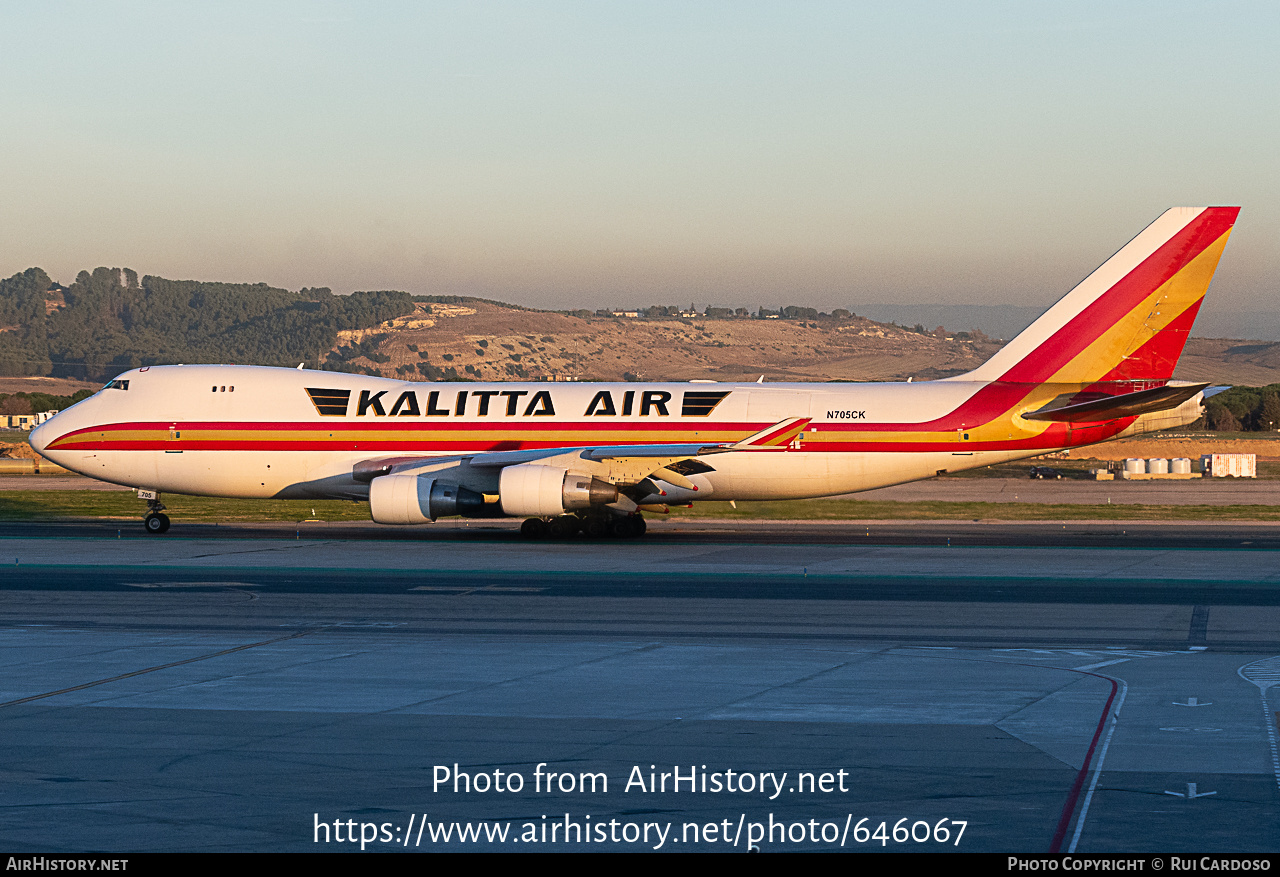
(40, 437)
(44, 435)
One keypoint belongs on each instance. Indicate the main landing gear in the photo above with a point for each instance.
(591, 526)
(156, 521)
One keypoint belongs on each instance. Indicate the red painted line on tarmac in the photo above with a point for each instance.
(1073, 797)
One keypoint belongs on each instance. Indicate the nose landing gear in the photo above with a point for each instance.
(156, 521)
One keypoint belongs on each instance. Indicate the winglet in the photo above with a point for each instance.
(777, 436)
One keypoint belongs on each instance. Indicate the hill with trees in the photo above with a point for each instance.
(109, 321)
(1244, 409)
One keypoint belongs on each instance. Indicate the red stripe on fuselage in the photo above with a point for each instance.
(418, 423)
(1055, 435)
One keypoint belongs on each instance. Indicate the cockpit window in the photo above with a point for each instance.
(117, 385)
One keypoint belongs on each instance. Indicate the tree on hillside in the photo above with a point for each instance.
(1219, 417)
(113, 323)
(1269, 411)
(15, 405)
(1244, 408)
(24, 345)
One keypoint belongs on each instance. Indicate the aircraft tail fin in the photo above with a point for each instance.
(1129, 319)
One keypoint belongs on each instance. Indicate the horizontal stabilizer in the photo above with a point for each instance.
(1116, 407)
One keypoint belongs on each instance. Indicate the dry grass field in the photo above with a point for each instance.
(485, 341)
(493, 342)
(489, 342)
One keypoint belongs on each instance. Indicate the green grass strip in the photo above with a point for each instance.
(845, 509)
(52, 505)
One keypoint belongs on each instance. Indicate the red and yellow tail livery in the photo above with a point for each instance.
(1129, 319)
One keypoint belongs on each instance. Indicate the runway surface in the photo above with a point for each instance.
(241, 688)
(1196, 491)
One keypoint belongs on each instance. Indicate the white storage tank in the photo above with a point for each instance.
(1157, 466)
(1181, 466)
(1135, 466)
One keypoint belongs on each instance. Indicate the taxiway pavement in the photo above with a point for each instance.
(242, 688)
(1196, 491)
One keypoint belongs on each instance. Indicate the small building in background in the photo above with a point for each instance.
(25, 421)
(1222, 465)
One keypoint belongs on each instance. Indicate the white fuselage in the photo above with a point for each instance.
(245, 431)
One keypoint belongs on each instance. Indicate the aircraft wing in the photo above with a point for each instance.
(1115, 407)
(776, 438)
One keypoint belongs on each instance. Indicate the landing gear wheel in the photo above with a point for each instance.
(638, 525)
(155, 521)
(596, 528)
(533, 528)
(564, 527)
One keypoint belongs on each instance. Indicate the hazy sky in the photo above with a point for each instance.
(592, 154)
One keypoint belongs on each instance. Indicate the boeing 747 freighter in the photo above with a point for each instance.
(592, 458)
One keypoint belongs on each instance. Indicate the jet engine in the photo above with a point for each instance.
(527, 490)
(534, 490)
(416, 499)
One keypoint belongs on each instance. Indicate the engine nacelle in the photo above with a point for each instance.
(533, 490)
(417, 499)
